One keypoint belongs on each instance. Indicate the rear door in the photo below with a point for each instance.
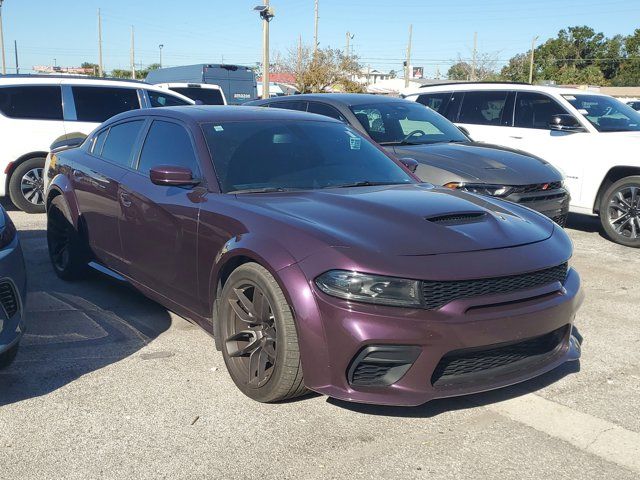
(87, 106)
(96, 181)
(484, 113)
(160, 223)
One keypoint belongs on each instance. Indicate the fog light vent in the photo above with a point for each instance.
(381, 365)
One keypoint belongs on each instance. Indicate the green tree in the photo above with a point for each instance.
(459, 71)
(517, 70)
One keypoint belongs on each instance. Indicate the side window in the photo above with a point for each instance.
(483, 107)
(326, 110)
(435, 101)
(121, 141)
(293, 105)
(372, 121)
(34, 102)
(160, 99)
(534, 110)
(97, 104)
(167, 143)
(98, 143)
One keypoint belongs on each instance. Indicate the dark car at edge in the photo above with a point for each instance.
(316, 260)
(445, 155)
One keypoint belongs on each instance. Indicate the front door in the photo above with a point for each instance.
(160, 223)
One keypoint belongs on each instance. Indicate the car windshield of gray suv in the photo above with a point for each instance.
(606, 113)
(269, 156)
(406, 123)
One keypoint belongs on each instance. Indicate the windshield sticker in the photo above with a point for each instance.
(570, 97)
(218, 128)
(354, 143)
(583, 111)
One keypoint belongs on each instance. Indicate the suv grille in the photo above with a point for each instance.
(8, 299)
(454, 366)
(437, 294)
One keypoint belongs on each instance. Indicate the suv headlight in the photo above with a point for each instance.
(481, 188)
(7, 230)
(377, 289)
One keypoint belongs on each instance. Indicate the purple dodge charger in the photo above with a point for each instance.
(315, 260)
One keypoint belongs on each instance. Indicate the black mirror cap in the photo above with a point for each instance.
(410, 163)
(565, 122)
(171, 175)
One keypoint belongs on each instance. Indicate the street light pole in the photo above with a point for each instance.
(266, 14)
(161, 46)
(533, 45)
(4, 61)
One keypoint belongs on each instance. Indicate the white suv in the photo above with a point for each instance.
(35, 110)
(593, 139)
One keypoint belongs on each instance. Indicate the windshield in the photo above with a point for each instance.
(406, 123)
(252, 156)
(606, 113)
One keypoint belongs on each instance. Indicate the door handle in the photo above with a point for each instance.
(125, 200)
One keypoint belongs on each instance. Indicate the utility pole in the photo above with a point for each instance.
(408, 62)
(533, 46)
(15, 47)
(265, 52)
(161, 46)
(4, 61)
(100, 69)
(475, 52)
(315, 30)
(299, 62)
(346, 52)
(133, 54)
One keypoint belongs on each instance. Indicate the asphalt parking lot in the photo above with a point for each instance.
(111, 385)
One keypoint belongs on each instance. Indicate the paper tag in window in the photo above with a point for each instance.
(354, 143)
(570, 97)
(583, 111)
(218, 128)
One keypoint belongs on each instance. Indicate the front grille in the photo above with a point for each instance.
(560, 219)
(8, 299)
(436, 294)
(542, 198)
(465, 366)
(537, 187)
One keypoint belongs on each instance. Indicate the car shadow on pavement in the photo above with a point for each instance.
(73, 329)
(443, 405)
(8, 204)
(585, 223)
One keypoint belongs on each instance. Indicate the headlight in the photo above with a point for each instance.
(377, 289)
(481, 188)
(7, 231)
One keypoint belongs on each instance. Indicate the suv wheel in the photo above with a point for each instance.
(620, 212)
(259, 337)
(26, 186)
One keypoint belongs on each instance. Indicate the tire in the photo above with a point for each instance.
(259, 339)
(9, 356)
(26, 186)
(67, 251)
(620, 212)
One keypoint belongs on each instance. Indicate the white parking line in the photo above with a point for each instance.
(591, 434)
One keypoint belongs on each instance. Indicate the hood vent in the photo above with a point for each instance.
(458, 218)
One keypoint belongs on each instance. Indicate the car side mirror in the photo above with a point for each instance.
(169, 175)
(69, 140)
(464, 130)
(410, 163)
(565, 123)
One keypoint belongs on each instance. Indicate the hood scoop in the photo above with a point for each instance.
(459, 218)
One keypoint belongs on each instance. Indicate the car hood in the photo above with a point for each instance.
(483, 162)
(395, 220)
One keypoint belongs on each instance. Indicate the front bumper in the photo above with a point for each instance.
(551, 203)
(13, 284)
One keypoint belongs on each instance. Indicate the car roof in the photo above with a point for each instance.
(209, 86)
(223, 113)
(336, 99)
(73, 80)
(475, 86)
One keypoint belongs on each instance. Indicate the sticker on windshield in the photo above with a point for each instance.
(583, 111)
(570, 97)
(218, 128)
(354, 143)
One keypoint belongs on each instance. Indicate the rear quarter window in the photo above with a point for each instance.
(31, 102)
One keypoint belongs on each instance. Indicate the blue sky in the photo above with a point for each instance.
(210, 30)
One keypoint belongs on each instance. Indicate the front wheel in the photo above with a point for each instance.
(26, 186)
(259, 337)
(67, 252)
(620, 212)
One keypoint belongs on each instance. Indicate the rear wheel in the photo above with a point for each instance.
(620, 211)
(26, 186)
(66, 249)
(259, 337)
